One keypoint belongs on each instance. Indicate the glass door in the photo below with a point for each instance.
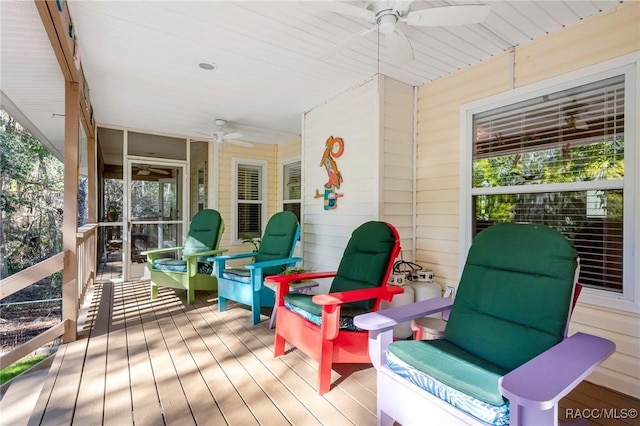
(154, 209)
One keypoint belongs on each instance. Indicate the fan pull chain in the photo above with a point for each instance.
(378, 59)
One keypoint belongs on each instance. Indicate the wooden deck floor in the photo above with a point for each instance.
(160, 362)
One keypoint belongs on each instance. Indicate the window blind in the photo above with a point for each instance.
(566, 137)
(249, 202)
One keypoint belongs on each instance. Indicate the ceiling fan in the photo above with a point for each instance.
(220, 136)
(387, 17)
(146, 170)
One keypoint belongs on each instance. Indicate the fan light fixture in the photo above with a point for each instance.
(387, 23)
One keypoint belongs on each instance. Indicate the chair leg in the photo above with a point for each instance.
(154, 290)
(191, 295)
(222, 304)
(255, 312)
(278, 345)
(324, 369)
(384, 419)
(272, 320)
(255, 307)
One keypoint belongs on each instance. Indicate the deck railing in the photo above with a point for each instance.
(86, 241)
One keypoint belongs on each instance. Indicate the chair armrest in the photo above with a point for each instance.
(380, 324)
(203, 253)
(160, 250)
(331, 305)
(283, 282)
(541, 382)
(338, 298)
(385, 319)
(274, 262)
(299, 277)
(232, 256)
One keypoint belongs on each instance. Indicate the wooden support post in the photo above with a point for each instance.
(70, 294)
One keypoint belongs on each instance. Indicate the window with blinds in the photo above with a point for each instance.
(249, 200)
(558, 159)
(292, 187)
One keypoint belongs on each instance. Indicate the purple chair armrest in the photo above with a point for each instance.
(540, 383)
(385, 319)
(380, 324)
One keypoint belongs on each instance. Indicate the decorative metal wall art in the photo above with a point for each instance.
(333, 149)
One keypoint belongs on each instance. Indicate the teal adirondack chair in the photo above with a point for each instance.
(246, 284)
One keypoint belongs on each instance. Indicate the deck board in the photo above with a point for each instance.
(90, 401)
(142, 361)
(117, 391)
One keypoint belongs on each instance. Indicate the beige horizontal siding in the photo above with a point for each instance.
(609, 35)
(592, 41)
(260, 152)
(397, 116)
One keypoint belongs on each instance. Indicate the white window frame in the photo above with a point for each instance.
(629, 299)
(236, 162)
(282, 200)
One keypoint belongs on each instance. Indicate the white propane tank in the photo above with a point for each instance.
(401, 331)
(427, 290)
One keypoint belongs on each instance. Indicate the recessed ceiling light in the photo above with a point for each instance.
(207, 66)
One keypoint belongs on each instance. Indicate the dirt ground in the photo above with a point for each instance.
(21, 321)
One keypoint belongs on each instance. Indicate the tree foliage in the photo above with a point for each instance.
(31, 199)
(580, 163)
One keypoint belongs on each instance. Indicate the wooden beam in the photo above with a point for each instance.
(70, 293)
(59, 28)
(57, 22)
(32, 274)
(27, 347)
(92, 178)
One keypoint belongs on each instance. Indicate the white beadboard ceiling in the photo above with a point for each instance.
(141, 59)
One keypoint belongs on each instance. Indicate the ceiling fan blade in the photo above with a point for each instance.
(159, 171)
(348, 42)
(399, 46)
(347, 9)
(229, 136)
(448, 15)
(240, 143)
(402, 6)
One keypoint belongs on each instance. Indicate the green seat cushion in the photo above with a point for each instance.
(514, 295)
(278, 241)
(237, 274)
(170, 262)
(346, 321)
(178, 265)
(365, 260)
(454, 367)
(304, 303)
